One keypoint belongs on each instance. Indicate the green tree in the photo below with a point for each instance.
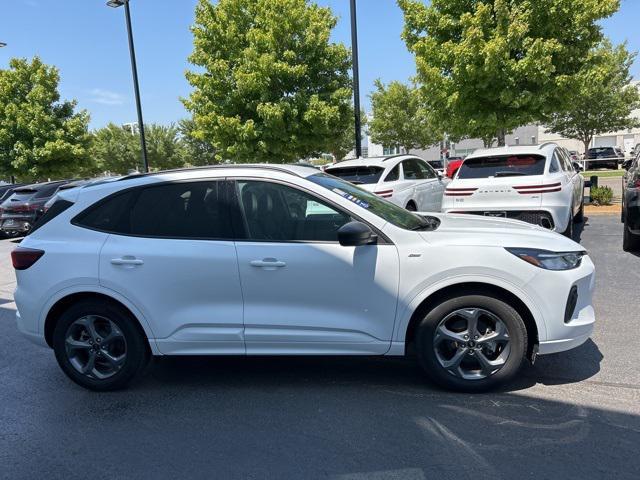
(40, 136)
(489, 66)
(165, 148)
(603, 98)
(197, 151)
(273, 87)
(116, 150)
(400, 118)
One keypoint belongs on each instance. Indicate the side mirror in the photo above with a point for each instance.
(355, 234)
(626, 164)
(440, 176)
(579, 168)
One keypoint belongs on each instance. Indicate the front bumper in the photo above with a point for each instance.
(550, 291)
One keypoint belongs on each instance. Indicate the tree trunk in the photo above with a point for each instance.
(502, 133)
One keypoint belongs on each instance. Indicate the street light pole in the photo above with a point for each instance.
(356, 79)
(134, 70)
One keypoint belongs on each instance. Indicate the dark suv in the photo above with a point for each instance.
(25, 206)
(631, 205)
(602, 157)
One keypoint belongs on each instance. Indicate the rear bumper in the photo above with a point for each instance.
(542, 218)
(25, 329)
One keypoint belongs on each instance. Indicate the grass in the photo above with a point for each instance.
(603, 173)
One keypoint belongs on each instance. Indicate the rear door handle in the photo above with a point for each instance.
(126, 261)
(268, 263)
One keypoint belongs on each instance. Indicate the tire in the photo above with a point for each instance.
(117, 345)
(579, 218)
(429, 346)
(569, 230)
(630, 241)
(411, 206)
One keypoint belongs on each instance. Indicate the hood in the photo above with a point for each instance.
(472, 230)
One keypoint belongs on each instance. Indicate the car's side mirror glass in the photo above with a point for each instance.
(355, 234)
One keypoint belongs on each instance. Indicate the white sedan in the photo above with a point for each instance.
(406, 180)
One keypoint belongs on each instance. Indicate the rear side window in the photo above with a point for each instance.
(357, 175)
(56, 209)
(502, 166)
(174, 210)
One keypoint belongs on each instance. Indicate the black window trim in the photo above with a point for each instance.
(237, 209)
(76, 220)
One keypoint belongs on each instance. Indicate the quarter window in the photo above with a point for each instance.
(279, 213)
(393, 175)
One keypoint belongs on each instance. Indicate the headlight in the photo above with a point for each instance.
(549, 260)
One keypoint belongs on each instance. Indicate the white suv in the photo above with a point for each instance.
(537, 184)
(406, 180)
(286, 260)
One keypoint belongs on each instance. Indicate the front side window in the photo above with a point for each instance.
(176, 210)
(425, 169)
(502, 166)
(279, 213)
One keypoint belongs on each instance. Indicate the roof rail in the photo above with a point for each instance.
(391, 157)
(265, 166)
(542, 145)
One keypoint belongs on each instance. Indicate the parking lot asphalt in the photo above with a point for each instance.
(572, 415)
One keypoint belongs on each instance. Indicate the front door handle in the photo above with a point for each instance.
(268, 263)
(126, 261)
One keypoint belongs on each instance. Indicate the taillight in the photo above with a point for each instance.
(25, 207)
(548, 188)
(459, 192)
(385, 193)
(22, 258)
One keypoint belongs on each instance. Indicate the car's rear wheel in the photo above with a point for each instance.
(471, 343)
(630, 241)
(99, 346)
(579, 218)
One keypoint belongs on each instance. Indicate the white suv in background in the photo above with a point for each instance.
(406, 180)
(286, 260)
(536, 184)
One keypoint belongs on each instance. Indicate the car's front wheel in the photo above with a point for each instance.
(471, 343)
(99, 346)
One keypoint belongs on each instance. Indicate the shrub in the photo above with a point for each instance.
(601, 195)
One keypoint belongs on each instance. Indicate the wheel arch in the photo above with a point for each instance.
(64, 301)
(467, 288)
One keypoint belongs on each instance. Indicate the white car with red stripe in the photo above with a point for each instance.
(536, 184)
(406, 180)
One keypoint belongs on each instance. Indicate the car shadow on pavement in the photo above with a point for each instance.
(393, 372)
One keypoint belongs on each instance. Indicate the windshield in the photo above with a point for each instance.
(388, 211)
(503, 166)
(358, 175)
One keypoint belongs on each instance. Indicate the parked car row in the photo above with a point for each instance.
(21, 206)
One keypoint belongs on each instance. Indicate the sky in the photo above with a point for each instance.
(87, 41)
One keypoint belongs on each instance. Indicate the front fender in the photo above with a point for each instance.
(409, 308)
